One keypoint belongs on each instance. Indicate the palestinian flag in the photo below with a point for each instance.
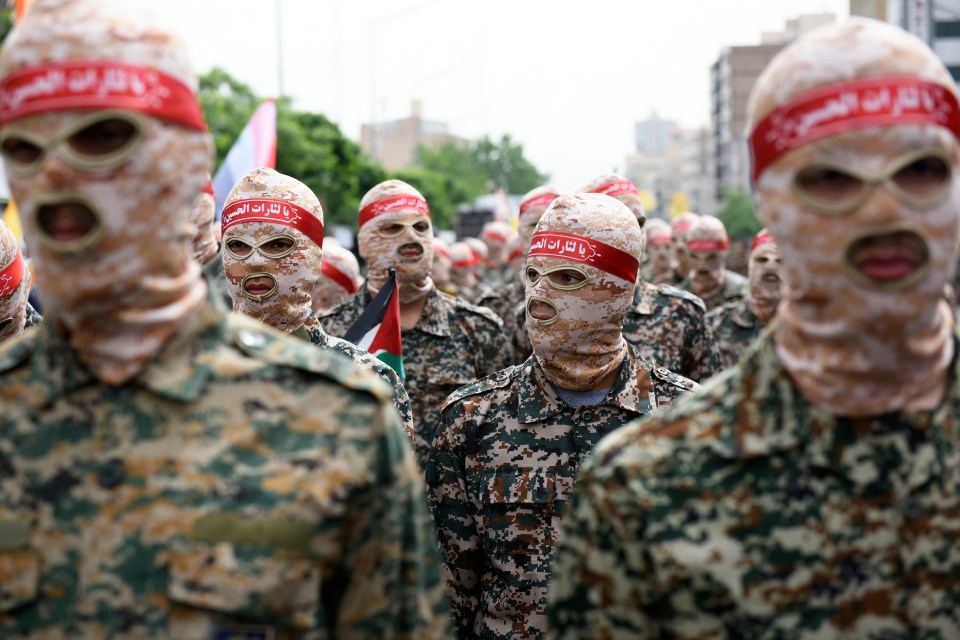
(377, 330)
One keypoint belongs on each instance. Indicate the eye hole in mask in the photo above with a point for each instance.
(103, 140)
(921, 179)
(274, 247)
(394, 229)
(564, 278)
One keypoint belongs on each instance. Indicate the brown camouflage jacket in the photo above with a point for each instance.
(500, 471)
(734, 288)
(735, 328)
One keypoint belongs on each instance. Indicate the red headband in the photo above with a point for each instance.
(680, 227)
(493, 235)
(543, 200)
(708, 245)
(402, 202)
(442, 250)
(465, 264)
(330, 270)
(275, 211)
(660, 239)
(882, 101)
(616, 188)
(12, 275)
(208, 189)
(761, 239)
(515, 253)
(567, 246)
(98, 84)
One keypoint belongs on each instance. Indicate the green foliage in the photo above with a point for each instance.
(6, 22)
(738, 214)
(312, 149)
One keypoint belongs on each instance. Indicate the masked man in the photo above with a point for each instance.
(660, 266)
(496, 236)
(507, 448)
(169, 471)
(272, 230)
(814, 490)
(667, 324)
(206, 248)
(441, 267)
(447, 343)
(16, 314)
(678, 236)
(339, 278)
(737, 324)
(463, 263)
(709, 279)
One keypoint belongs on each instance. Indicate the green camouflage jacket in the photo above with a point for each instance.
(668, 325)
(314, 333)
(245, 485)
(734, 287)
(500, 471)
(453, 344)
(734, 327)
(33, 318)
(745, 512)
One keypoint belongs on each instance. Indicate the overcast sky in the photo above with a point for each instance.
(566, 79)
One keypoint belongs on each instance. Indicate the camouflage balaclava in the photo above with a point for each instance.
(678, 233)
(659, 248)
(463, 262)
(395, 231)
(763, 274)
(14, 285)
(496, 236)
(616, 186)
(339, 278)
(480, 255)
(203, 216)
(575, 323)
(707, 248)
(854, 145)
(532, 206)
(272, 232)
(106, 150)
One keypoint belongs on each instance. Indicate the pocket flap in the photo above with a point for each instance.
(521, 486)
(280, 590)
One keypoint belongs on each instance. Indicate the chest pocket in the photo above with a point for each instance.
(279, 589)
(518, 507)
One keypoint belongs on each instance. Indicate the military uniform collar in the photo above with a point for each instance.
(538, 401)
(742, 316)
(435, 318)
(775, 417)
(180, 372)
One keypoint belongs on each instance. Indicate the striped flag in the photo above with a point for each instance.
(377, 330)
(255, 147)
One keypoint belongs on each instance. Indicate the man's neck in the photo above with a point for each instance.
(411, 312)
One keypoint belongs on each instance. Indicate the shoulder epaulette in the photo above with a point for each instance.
(477, 310)
(676, 292)
(665, 375)
(269, 345)
(493, 381)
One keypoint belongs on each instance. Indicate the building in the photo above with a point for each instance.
(935, 22)
(731, 80)
(394, 144)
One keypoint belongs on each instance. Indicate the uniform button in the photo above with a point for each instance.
(587, 415)
(251, 339)
(911, 508)
(112, 474)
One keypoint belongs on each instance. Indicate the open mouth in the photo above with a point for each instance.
(259, 286)
(410, 251)
(68, 224)
(541, 311)
(771, 277)
(889, 259)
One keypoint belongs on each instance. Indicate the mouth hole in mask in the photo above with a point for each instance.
(68, 226)
(888, 260)
(541, 312)
(259, 286)
(410, 251)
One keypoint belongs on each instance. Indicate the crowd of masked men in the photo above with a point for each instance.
(596, 431)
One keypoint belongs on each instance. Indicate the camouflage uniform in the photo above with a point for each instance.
(668, 325)
(244, 485)
(734, 288)
(453, 344)
(502, 466)
(734, 327)
(33, 318)
(745, 512)
(313, 332)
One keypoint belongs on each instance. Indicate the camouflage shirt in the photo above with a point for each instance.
(501, 469)
(453, 344)
(668, 325)
(33, 318)
(734, 287)
(313, 332)
(734, 327)
(745, 512)
(246, 484)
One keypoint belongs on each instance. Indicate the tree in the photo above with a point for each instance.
(738, 214)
